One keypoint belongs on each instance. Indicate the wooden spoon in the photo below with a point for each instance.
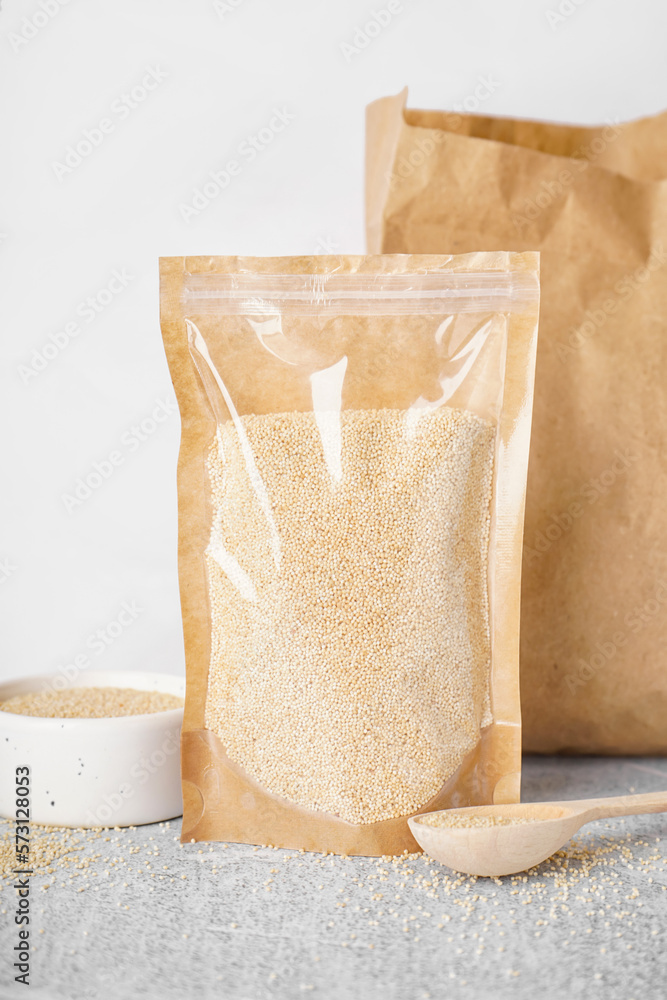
(503, 850)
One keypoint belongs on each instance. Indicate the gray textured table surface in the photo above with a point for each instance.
(240, 923)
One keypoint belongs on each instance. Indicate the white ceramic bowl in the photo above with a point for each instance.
(94, 772)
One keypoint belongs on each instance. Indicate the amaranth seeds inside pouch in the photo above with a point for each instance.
(351, 489)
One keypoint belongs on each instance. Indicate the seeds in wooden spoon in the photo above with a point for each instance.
(462, 821)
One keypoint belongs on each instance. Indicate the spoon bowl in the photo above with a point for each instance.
(516, 836)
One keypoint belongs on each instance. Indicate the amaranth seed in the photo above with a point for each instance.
(347, 571)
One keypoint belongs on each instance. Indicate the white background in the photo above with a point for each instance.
(226, 67)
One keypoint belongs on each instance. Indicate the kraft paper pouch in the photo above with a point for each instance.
(593, 201)
(351, 487)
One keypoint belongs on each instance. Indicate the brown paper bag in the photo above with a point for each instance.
(351, 491)
(594, 203)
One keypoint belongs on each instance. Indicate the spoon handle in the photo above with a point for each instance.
(623, 805)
